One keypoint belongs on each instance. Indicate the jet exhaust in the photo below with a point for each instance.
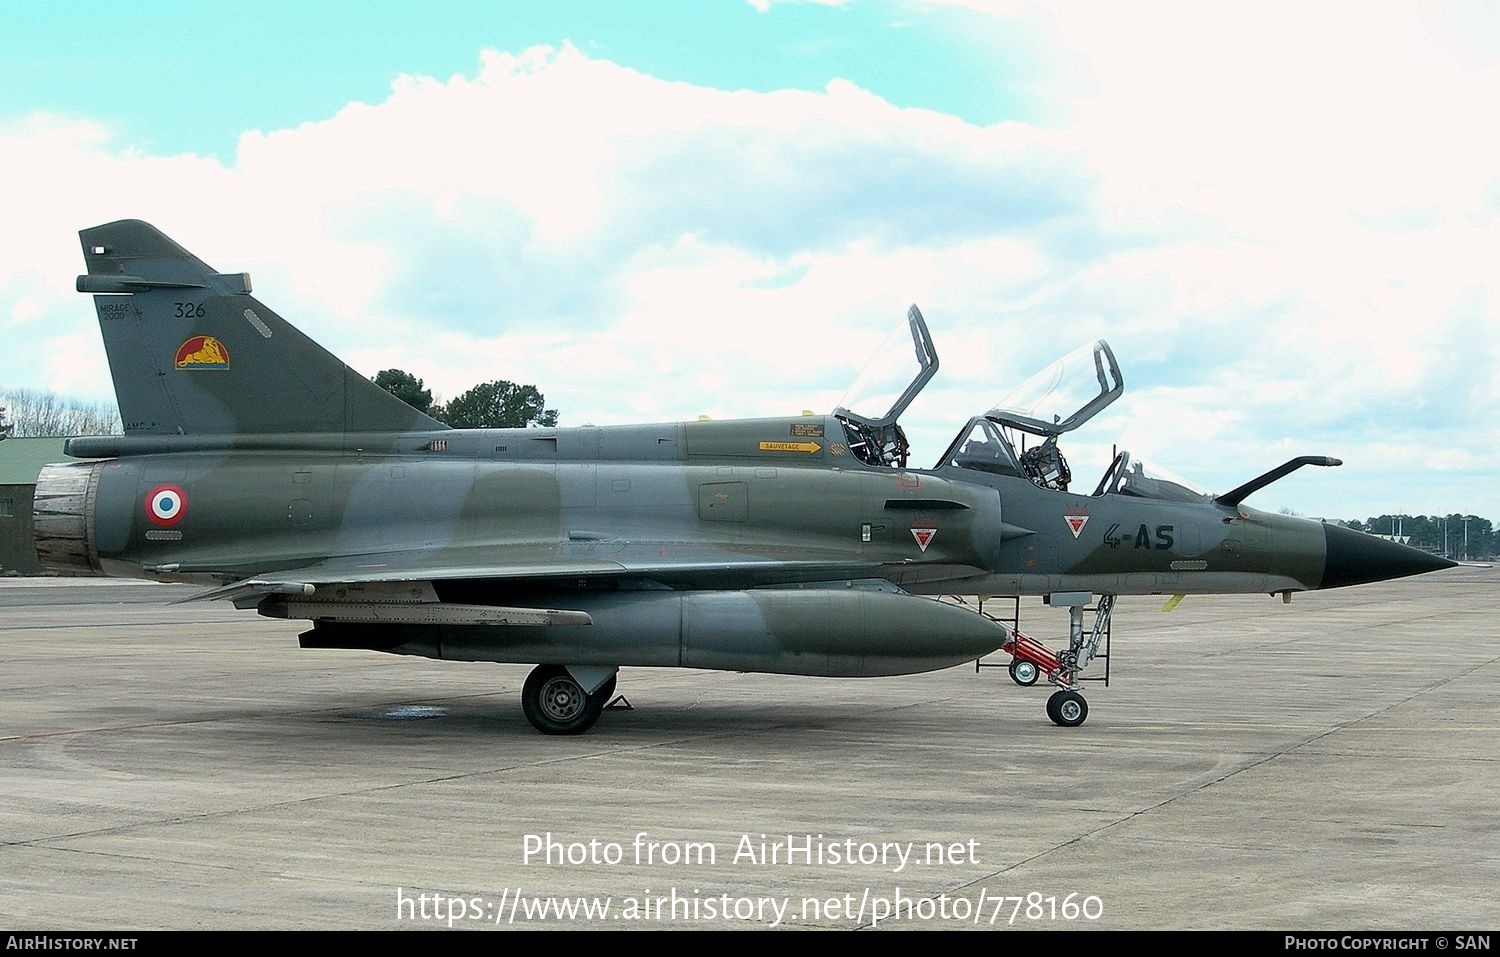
(63, 518)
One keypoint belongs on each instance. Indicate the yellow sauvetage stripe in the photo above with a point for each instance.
(810, 447)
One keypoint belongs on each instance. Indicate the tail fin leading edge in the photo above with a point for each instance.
(193, 353)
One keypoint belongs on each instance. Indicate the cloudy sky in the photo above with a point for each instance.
(1284, 217)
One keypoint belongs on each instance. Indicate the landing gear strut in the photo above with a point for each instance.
(555, 701)
(1030, 658)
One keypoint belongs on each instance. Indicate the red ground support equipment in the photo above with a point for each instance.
(1025, 648)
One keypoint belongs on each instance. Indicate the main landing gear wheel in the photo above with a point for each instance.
(555, 703)
(1024, 673)
(1067, 708)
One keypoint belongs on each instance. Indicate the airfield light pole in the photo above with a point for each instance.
(1445, 536)
(1467, 519)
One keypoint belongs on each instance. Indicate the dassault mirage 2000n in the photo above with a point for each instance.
(258, 464)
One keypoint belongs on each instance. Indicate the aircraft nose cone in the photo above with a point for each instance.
(1354, 558)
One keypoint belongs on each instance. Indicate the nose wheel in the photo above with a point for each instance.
(1067, 709)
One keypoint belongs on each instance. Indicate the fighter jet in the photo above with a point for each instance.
(261, 466)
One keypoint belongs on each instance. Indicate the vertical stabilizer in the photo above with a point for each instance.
(193, 353)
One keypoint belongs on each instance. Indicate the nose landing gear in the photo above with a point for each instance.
(1030, 658)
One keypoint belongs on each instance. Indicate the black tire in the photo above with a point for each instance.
(1067, 709)
(1020, 669)
(555, 703)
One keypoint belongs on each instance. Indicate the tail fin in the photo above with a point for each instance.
(193, 353)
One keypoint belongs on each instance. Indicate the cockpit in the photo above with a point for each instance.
(1020, 437)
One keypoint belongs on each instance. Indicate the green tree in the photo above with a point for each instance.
(1427, 532)
(498, 405)
(1481, 536)
(406, 387)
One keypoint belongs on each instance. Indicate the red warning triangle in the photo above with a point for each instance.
(923, 536)
(1076, 523)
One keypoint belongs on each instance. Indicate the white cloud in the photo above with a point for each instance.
(1306, 202)
(1285, 223)
(555, 190)
(764, 6)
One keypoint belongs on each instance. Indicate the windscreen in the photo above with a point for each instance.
(1140, 480)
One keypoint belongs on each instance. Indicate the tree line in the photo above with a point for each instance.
(32, 413)
(497, 404)
(1440, 534)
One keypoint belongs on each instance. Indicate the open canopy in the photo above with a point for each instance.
(900, 368)
(1018, 436)
(1064, 395)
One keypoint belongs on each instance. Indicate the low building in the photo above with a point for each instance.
(20, 461)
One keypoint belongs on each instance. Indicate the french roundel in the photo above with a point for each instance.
(166, 504)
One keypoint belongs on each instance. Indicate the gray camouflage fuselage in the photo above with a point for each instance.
(255, 462)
